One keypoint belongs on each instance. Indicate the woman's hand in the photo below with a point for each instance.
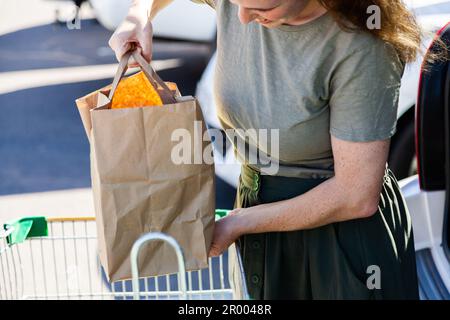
(135, 31)
(226, 231)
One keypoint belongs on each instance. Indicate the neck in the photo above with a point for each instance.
(312, 11)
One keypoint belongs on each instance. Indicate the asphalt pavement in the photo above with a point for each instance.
(43, 146)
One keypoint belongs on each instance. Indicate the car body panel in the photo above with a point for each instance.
(427, 210)
(182, 19)
(194, 22)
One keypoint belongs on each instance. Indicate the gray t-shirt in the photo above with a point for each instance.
(309, 82)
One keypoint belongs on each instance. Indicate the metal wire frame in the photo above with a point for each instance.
(65, 265)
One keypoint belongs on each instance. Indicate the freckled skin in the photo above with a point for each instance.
(353, 193)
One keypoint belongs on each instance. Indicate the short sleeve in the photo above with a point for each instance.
(364, 94)
(210, 3)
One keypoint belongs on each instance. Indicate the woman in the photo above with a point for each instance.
(331, 223)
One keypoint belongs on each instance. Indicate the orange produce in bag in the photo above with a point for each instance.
(135, 91)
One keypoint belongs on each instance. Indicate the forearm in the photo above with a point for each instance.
(150, 8)
(327, 203)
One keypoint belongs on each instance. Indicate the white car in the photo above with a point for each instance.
(182, 19)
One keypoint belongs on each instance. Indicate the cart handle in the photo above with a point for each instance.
(152, 236)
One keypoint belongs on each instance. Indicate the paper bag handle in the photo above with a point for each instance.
(167, 96)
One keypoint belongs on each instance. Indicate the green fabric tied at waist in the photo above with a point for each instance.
(250, 178)
(255, 186)
(25, 228)
(250, 181)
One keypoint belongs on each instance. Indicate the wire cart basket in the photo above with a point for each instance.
(63, 264)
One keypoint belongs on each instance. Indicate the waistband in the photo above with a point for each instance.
(252, 179)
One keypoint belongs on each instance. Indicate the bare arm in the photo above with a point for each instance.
(136, 29)
(353, 193)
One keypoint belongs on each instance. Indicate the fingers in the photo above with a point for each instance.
(147, 54)
(118, 45)
(145, 42)
(135, 30)
(132, 34)
(214, 251)
(124, 47)
(132, 62)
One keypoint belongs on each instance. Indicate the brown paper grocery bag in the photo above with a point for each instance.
(138, 188)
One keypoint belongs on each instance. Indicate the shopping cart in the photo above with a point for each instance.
(60, 261)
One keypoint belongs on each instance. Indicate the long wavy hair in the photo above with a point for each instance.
(399, 26)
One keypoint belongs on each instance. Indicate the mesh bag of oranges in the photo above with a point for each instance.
(137, 91)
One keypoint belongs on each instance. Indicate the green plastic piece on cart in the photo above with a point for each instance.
(220, 213)
(25, 228)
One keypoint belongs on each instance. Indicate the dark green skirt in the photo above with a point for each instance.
(370, 258)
